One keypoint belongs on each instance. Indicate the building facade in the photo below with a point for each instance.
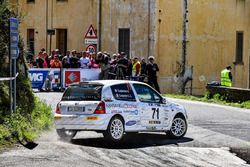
(200, 37)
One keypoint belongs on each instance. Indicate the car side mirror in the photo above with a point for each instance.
(164, 101)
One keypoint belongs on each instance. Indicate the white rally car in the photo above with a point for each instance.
(115, 107)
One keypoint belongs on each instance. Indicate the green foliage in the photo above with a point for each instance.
(26, 126)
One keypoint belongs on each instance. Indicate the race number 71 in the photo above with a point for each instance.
(155, 112)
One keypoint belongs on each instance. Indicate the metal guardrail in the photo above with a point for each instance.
(9, 78)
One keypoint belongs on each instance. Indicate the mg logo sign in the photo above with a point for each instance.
(36, 77)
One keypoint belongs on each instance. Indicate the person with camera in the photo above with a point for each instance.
(122, 65)
(103, 61)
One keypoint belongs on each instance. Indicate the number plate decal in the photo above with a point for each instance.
(154, 122)
(76, 109)
(92, 118)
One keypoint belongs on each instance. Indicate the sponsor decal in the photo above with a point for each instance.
(129, 106)
(113, 105)
(124, 106)
(115, 111)
(131, 123)
(133, 112)
(38, 78)
(151, 128)
(175, 107)
(92, 118)
(72, 77)
(154, 104)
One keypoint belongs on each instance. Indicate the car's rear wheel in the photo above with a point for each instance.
(66, 135)
(178, 128)
(115, 131)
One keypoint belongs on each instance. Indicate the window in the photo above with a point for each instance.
(124, 40)
(239, 46)
(31, 41)
(146, 94)
(87, 92)
(30, 1)
(61, 0)
(61, 40)
(123, 92)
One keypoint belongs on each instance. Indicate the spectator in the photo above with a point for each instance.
(113, 66)
(45, 59)
(39, 60)
(65, 63)
(152, 68)
(60, 56)
(74, 61)
(143, 69)
(84, 60)
(93, 63)
(56, 63)
(122, 65)
(104, 65)
(136, 68)
(226, 77)
(66, 60)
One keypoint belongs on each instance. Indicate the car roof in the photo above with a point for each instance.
(111, 82)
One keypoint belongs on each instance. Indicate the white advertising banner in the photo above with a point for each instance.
(71, 76)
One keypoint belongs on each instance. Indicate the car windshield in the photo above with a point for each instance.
(88, 92)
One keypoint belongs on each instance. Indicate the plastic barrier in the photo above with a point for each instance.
(45, 78)
(58, 79)
(79, 75)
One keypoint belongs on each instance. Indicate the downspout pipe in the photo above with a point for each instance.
(99, 20)
(149, 17)
(184, 35)
(46, 26)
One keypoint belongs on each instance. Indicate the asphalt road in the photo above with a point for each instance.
(213, 129)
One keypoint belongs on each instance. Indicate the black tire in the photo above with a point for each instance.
(178, 128)
(115, 130)
(66, 135)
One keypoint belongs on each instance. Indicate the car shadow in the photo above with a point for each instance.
(131, 141)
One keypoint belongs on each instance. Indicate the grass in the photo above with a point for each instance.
(27, 126)
(217, 99)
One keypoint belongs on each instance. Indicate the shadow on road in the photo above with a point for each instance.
(131, 141)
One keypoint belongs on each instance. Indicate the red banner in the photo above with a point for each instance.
(72, 77)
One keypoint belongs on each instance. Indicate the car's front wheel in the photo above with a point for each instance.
(66, 135)
(115, 131)
(178, 128)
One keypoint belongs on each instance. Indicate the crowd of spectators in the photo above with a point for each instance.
(116, 66)
(72, 59)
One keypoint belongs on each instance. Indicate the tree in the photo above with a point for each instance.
(25, 97)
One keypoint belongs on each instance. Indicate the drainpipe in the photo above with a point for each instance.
(149, 5)
(184, 47)
(99, 20)
(46, 26)
(249, 72)
(184, 37)
(51, 22)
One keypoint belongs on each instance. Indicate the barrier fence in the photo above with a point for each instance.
(58, 79)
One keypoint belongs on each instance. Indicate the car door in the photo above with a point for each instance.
(153, 115)
(125, 104)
